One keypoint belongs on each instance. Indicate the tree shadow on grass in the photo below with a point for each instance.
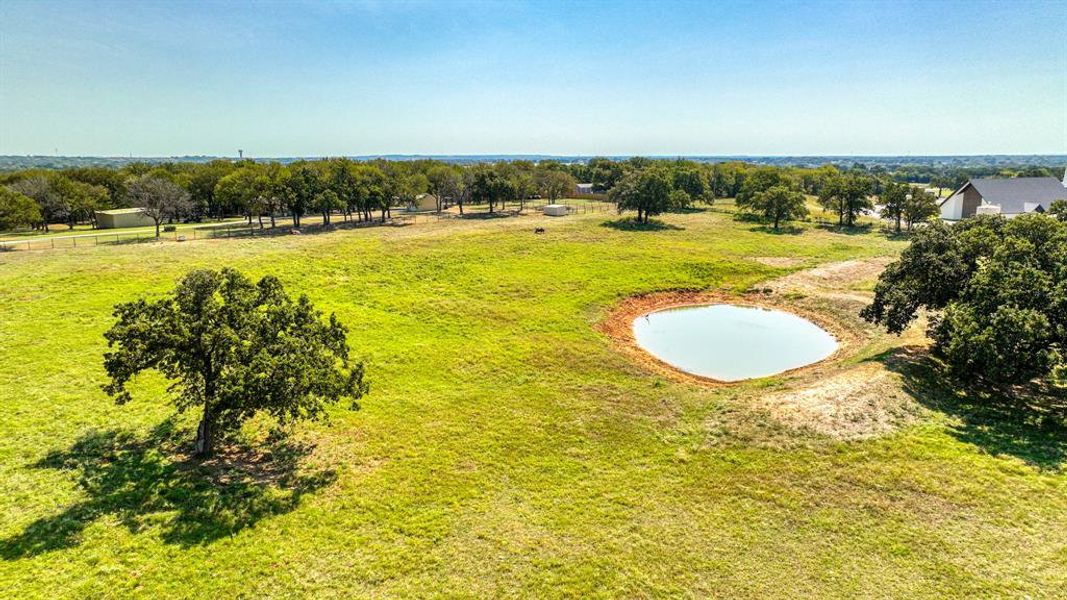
(143, 481)
(1028, 422)
(631, 224)
(858, 229)
(499, 213)
(782, 229)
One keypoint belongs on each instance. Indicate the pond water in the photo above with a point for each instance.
(731, 343)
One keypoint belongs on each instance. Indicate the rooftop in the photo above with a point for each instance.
(1019, 194)
(120, 211)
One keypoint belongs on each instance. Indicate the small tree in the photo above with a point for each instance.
(522, 185)
(239, 191)
(327, 201)
(848, 195)
(694, 183)
(487, 185)
(647, 191)
(555, 184)
(233, 349)
(919, 206)
(161, 199)
(777, 204)
(17, 210)
(761, 180)
(894, 199)
(302, 185)
(444, 182)
(679, 199)
(50, 204)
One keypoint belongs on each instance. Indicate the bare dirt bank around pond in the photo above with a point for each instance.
(619, 326)
(842, 396)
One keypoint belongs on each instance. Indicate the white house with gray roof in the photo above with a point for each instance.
(1008, 197)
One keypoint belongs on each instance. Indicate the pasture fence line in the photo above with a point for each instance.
(310, 224)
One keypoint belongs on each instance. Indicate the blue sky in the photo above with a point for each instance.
(664, 78)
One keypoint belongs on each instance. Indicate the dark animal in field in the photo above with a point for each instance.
(539, 230)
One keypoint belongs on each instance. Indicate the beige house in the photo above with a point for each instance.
(423, 203)
(120, 218)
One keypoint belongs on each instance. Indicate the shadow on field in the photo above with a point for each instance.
(782, 229)
(631, 224)
(482, 215)
(1028, 422)
(832, 227)
(142, 482)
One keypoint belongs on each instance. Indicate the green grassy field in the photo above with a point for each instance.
(507, 448)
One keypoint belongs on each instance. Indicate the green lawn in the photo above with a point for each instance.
(506, 448)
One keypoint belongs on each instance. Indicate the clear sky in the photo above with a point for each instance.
(665, 78)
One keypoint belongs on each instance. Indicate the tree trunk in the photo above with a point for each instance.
(776, 219)
(205, 435)
(157, 229)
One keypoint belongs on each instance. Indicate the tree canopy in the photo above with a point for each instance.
(17, 210)
(358, 188)
(776, 204)
(848, 195)
(233, 348)
(996, 289)
(647, 191)
(160, 198)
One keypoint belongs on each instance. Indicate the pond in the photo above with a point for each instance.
(732, 343)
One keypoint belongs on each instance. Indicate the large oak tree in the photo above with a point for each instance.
(234, 348)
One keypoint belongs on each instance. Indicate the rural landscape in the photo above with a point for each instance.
(548, 374)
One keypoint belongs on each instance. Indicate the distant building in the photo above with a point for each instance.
(423, 203)
(120, 218)
(584, 188)
(1008, 197)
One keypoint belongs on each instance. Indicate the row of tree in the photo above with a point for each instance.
(357, 190)
(778, 195)
(193, 192)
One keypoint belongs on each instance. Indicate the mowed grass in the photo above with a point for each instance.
(506, 447)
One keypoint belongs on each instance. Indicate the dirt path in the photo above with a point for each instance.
(851, 402)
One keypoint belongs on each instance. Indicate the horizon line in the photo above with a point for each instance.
(535, 155)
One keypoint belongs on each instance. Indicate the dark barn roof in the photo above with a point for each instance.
(1014, 194)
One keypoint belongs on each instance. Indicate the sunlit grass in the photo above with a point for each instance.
(506, 447)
